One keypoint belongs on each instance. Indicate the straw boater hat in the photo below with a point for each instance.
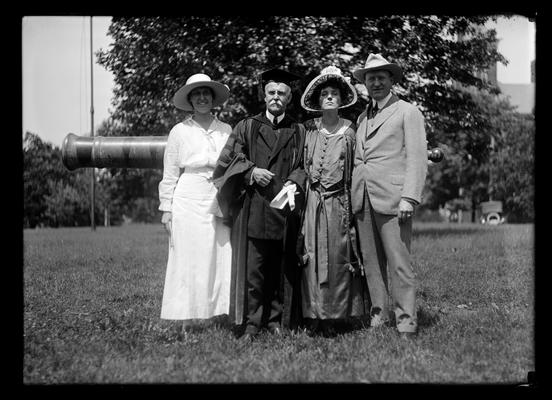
(376, 62)
(221, 91)
(332, 74)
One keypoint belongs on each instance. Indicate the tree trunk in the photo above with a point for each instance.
(106, 216)
(473, 208)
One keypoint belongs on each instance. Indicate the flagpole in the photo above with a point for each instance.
(93, 179)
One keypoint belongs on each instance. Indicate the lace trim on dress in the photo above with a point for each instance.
(335, 131)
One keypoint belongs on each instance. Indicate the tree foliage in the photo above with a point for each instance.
(512, 166)
(53, 195)
(42, 169)
(152, 57)
(65, 204)
(442, 58)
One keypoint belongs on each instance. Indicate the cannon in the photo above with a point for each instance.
(435, 155)
(130, 152)
(113, 151)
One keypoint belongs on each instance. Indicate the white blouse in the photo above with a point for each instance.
(192, 149)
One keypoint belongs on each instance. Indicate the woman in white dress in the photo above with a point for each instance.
(197, 281)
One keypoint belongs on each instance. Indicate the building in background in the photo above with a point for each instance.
(517, 44)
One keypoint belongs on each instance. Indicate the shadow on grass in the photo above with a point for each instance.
(427, 319)
(339, 327)
(335, 328)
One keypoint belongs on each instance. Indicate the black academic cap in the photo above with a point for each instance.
(278, 75)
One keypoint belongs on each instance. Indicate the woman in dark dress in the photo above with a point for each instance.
(332, 287)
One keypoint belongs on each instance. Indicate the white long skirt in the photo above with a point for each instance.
(197, 281)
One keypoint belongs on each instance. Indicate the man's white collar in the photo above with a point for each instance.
(271, 117)
(383, 102)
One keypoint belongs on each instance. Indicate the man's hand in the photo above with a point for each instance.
(262, 176)
(406, 210)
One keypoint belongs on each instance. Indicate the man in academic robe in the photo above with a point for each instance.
(388, 177)
(262, 155)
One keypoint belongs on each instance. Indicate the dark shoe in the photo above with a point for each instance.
(276, 330)
(311, 332)
(327, 329)
(249, 333)
(311, 327)
(247, 337)
(407, 335)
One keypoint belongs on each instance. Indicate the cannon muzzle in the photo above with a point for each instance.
(436, 155)
(130, 152)
(113, 152)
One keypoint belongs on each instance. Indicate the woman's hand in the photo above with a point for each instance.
(166, 220)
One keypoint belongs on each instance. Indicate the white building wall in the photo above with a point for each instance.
(517, 44)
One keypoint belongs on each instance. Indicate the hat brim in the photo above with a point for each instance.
(311, 104)
(221, 91)
(394, 69)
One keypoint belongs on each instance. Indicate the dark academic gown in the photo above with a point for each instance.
(246, 208)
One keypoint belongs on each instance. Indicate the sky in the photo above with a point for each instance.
(56, 76)
(56, 71)
(517, 44)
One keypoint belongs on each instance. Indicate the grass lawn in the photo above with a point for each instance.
(92, 302)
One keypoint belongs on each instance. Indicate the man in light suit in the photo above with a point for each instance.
(388, 177)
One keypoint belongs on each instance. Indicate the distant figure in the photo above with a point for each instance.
(333, 287)
(197, 282)
(388, 178)
(264, 154)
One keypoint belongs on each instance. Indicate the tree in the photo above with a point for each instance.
(152, 57)
(54, 196)
(442, 58)
(513, 167)
(64, 205)
(42, 166)
(465, 172)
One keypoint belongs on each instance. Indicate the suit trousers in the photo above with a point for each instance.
(264, 302)
(385, 249)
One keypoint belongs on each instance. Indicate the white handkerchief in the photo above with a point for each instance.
(285, 196)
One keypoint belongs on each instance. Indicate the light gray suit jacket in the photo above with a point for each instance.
(390, 157)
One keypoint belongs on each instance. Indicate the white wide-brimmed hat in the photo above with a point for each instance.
(332, 74)
(220, 90)
(376, 62)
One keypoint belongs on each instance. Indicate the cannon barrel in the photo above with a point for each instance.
(113, 152)
(130, 152)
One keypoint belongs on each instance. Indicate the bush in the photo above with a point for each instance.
(145, 210)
